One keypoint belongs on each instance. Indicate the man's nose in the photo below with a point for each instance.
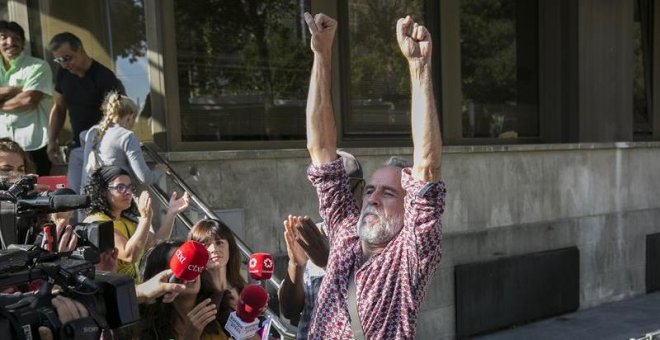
(374, 198)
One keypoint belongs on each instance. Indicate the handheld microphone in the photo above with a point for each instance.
(261, 266)
(243, 323)
(188, 262)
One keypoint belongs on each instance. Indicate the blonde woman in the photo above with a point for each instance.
(114, 143)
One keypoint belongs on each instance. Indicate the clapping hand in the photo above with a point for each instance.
(296, 253)
(313, 241)
(179, 204)
(144, 205)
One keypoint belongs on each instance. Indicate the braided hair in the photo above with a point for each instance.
(114, 106)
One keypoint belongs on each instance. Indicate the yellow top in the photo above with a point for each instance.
(126, 228)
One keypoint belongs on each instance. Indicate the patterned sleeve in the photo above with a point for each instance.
(336, 203)
(425, 204)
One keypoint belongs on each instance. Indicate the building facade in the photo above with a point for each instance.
(549, 114)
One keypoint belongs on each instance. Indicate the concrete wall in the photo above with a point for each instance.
(502, 201)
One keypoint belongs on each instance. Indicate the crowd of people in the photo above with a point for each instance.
(360, 273)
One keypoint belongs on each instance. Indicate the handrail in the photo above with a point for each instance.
(283, 328)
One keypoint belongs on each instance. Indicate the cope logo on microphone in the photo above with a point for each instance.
(253, 262)
(268, 264)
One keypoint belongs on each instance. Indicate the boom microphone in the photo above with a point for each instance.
(261, 266)
(243, 323)
(188, 262)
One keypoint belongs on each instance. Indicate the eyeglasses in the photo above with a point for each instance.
(63, 59)
(123, 188)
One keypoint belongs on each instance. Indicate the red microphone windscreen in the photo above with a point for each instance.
(252, 302)
(189, 260)
(261, 266)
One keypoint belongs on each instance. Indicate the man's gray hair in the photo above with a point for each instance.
(398, 162)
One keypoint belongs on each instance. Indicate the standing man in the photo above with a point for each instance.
(81, 84)
(308, 250)
(25, 96)
(383, 257)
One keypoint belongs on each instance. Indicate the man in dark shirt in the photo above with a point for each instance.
(81, 84)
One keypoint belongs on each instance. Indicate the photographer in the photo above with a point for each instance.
(111, 190)
(14, 161)
(67, 310)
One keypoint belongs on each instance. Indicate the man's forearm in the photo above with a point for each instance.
(425, 124)
(7, 92)
(22, 102)
(55, 123)
(321, 128)
(292, 293)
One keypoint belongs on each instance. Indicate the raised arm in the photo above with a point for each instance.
(415, 43)
(321, 129)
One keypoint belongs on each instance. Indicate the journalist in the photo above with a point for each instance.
(111, 189)
(192, 314)
(14, 161)
(224, 264)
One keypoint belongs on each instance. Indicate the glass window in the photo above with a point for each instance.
(378, 76)
(243, 69)
(128, 48)
(642, 40)
(499, 68)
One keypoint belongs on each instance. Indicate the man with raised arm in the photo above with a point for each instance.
(383, 257)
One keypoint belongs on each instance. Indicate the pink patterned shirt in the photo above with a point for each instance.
(392, 284)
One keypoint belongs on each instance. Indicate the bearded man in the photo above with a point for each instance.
(383, 257)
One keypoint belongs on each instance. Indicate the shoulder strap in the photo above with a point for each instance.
(358, 333)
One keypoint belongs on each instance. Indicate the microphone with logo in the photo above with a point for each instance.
(243, 323)
(261, 266)
(188, 262)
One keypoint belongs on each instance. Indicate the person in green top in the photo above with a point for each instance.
(26, 89)
(111, 189)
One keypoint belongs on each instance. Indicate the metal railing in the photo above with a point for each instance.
(282, 327)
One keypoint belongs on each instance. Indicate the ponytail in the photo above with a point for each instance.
(114, 106)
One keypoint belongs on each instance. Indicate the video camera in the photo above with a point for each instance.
(22, 209)
(110, 298)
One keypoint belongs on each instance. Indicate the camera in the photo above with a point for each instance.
(109, 297)
(23, 211)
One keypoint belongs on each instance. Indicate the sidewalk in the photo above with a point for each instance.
(631, 318)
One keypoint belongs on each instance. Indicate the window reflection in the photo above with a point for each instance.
(379, 78)
(642, 44)
(243, 69)
(499, 67)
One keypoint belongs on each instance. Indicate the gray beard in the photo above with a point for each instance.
(381, 232)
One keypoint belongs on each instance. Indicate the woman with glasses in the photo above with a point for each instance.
(111, 189)
(112, 142)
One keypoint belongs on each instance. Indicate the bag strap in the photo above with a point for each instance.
(358, 332)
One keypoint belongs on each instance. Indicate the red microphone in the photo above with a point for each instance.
(261, 266)
(243, 322)
(188, 262)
